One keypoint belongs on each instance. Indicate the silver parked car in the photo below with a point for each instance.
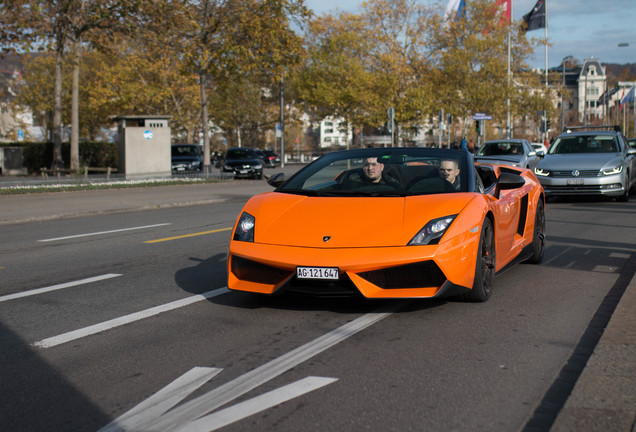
(589, 162)
(514, 152)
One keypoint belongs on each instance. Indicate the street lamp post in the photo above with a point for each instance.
(563, 91)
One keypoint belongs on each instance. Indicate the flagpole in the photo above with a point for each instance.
(546, 45)
(508, 125)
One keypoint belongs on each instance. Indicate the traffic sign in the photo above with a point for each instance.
(482, 116)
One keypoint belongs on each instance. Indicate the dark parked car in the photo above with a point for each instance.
(274, 158)
(267, 162)
(242, 162)
(186, 157)
(513, 152)
(589, 162)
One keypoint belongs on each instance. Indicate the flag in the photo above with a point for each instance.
(535, 19)
(629, 97)
(455, 9)
(607, 95)
(620, 100)
(505, 10)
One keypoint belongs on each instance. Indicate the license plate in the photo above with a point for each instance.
(242, 171)
(575, 182)
(329, 273)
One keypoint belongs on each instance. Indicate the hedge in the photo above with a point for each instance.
(39, 155)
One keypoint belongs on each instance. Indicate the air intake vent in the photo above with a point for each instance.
(417, 275)
(253, 271)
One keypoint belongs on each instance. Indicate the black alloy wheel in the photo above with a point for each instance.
(485, 266)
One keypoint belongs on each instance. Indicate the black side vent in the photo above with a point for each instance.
(523, 214)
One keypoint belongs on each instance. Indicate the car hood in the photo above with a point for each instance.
(500, 158)
(186, 158)
(582, 161)
(234, 162)
(295, 220)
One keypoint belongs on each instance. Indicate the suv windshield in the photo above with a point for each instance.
(382, 172)
(585, 144)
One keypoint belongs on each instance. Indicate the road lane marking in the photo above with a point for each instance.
(255, 405)
(187, 235)
(58, 287)
(117, 322)
(206, 403)
(163, 400)
(103, 232)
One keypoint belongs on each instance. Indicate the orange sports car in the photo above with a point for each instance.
(388, 223)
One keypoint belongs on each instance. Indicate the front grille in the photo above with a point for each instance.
(418, 275)
(582, 173)
(253, 271)
(584, 188)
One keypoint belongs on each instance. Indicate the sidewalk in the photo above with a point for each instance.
(604, 396)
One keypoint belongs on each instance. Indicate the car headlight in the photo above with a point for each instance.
(541, 172)
(245, 228)
(258, 166)
(612, 171)
(432, 231)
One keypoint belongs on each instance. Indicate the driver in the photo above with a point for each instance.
(449, 171)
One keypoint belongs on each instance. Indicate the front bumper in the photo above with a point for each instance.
(382, 272)
(607, 185)
(244, 172)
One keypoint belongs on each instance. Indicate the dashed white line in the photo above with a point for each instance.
(103, 232)
(57, 287)
(116, 322)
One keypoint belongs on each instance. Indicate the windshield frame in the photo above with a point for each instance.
(328, 175)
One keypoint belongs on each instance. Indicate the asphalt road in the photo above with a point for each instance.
(100, 314)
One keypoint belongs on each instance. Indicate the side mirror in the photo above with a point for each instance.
(276, 180)
(508, 181)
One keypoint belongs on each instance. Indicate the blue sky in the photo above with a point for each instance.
(580, 28)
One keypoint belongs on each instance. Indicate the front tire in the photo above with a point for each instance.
(538, 238)
(485, 266)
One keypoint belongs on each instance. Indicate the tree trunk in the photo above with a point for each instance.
(75, 108)
(204, 123)
(58, 162)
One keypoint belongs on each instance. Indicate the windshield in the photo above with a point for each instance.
(185, 151)
(584, 144)
(382, 172)
(242, 153)
(500, 148)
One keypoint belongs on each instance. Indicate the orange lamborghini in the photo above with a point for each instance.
(388, 223)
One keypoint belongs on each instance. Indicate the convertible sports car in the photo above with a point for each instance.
(388, 223)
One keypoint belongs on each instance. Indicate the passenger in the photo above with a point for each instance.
(449, 171)
(372, 174)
